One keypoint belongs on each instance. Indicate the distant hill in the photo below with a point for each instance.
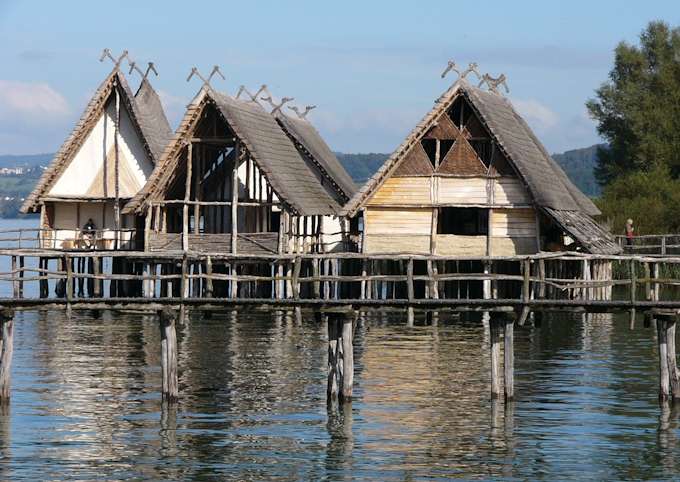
(30, 160)
(579, 164)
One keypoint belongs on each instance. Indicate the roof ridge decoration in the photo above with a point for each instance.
(150, 68)
(276, 108)
(492, 83)
(106, 53)
(206, 81)
(253, 97)
(302, 115)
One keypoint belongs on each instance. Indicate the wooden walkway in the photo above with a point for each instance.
(338, 285)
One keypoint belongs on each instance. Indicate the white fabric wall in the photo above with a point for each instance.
(87, 162)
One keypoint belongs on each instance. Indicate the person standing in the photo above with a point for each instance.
(630, 233)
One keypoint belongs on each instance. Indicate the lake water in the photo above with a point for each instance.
(86, 402)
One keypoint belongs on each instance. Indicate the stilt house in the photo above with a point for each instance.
(233, 181)
(104, 162)
(472, 179)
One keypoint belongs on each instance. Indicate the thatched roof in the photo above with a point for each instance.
(547, 183)
(303, 133)
(152, 119)
(286, 171)
(143, 118)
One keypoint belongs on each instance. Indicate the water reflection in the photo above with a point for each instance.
(86, 401)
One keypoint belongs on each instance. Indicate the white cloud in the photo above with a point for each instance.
(536, 114)
(31, 101)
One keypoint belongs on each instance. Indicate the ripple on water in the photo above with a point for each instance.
(86, 402)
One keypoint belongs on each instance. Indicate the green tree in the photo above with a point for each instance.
(650, 198)
(638, 108)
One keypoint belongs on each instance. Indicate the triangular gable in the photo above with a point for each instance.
(91, 115)
(462, 160)
(445, 129)
(416, 163)
(128, 184)
(547, 183)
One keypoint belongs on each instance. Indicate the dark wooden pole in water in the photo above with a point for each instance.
(340, 356)
(6, 348)
(170, 391)
(664, 379)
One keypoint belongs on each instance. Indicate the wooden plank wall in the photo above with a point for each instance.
(513, 231)
(392, 230)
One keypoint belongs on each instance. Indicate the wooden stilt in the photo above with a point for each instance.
(170, 392)
(662, 341)
(334, 358)
(509, 358)
(495, 326)
(671, 357)
(347, 357)
(410, 316)
(6, 348)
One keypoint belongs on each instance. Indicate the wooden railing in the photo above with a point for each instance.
(92, 240)
(568, 281)
(662, 244)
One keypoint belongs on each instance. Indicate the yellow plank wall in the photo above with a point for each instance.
(403, 190)
(509, 190)
(398, 230)
(456, 190)
(513, 231)
(400, 191)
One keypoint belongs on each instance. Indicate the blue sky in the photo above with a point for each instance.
(371, 67)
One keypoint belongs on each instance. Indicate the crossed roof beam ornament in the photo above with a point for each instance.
(150, 68)
(492, 83)
(206, 81)
(106, 53)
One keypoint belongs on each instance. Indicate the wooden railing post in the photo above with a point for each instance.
(633, 291)
(410, 291)
(297, 263)
(495, 323)
(15, 281)
(316, 286)
(208, 275)
(663, 245)
(6, 349)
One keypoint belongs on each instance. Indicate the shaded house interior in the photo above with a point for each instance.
(233, 181)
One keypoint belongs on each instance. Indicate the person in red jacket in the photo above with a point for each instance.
(630, 233)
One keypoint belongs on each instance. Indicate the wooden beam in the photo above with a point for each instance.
(6, 349)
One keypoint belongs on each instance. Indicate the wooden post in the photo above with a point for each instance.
(495, 326)
(335, 366)
(509, 358)
(98, 283)
(656, 292)
(662, 340)
(170, 391)
(147, 226)
(208, 280)
(6, 348)
(21, 276)
(297, 263)
(187, 197)
(648, 281)
(410, 292)
(69, 284)
(633, 290)
(234, 199)
(663, 245)
(347, 357)
(316, 285)
(541, 277)
(15, 281)
(671, 357)
(340, 356)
